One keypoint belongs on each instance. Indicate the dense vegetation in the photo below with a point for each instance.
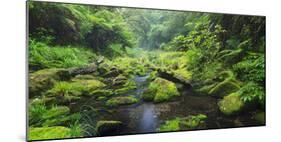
(79, 52)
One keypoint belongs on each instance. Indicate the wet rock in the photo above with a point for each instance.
(105, 126)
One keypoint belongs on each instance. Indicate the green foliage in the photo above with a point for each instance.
(36, 111)
(43, 56)
(251, 68)
(76, 130)
(71, 24)
(217, 54)
(53, 23)
(252, 92)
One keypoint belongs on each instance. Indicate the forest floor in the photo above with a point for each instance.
(143, 92)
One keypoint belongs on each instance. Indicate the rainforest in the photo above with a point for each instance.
(104, 71)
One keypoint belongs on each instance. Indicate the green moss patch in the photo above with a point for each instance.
(48, 133)
(231, 104)
(117, 101)
(184, 123)
(160, 90)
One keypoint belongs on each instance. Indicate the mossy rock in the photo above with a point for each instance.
(91, 84)
(73, 90)
(126, 87)
(231, 104)
(160, 90)
(43, 80)
(183, 123)
(84, 77)
(105, 126)
(43, 133)
(119, 80)
(101, 92)
(183, 75)
(225, 87)
(117, 101)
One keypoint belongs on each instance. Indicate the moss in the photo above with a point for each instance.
(193, 121)
(84, 77)
(104, 126)
(231, 104)
(148, 95)
(161, 90)
(170, 125)
(70, 91)
(129, 85)
(91, 84)
(48, 133)
(152, 75)
(42, 80)
(225, 87)
(101, 92)
(182, 74)
(116, 101)
(183, 123)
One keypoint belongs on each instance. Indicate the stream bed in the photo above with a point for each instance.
(146, 117)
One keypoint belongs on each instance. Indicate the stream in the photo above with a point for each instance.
(146, 117)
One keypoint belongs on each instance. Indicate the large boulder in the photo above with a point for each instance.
(231, 104)
(105, 126)
(43, 80)
(160, 90)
